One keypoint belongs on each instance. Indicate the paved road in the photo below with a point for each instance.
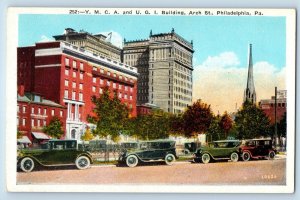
(253, 172)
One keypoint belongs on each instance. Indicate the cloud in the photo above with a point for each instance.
(44, 38)
(116, 38)
(220, 81)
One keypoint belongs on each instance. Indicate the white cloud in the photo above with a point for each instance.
(116, 38)
(220, 81)
(44, 38)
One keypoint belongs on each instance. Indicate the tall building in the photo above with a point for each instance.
(250, 94)
(69, 76)
(98, 44)
(164, 62)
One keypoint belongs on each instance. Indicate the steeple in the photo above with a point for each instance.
(250, 94)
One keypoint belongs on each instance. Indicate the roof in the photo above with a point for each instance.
(29, 96)
(40, 135)
(227, 141)
(24, 140)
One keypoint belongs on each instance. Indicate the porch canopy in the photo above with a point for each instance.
(24, 140)
(41, 136)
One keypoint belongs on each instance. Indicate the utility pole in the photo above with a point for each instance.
(275, 134)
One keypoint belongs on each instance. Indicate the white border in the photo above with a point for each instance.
(12, 35)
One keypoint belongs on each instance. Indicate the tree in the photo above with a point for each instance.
(55, 128)
(251, 122)
(110, 115)
(87, 136)
(19, 134)
(197, 118)
(214, 131)
(226, 124)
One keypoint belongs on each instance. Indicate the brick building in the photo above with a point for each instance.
(69, 76)
(268, 106)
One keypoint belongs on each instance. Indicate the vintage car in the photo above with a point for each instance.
(257, 149)
(218, 150)
(148, 151)
(55, 153)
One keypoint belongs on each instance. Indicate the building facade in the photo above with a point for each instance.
(98, 44)
(164, 62)
(268, 106)
(69, 75)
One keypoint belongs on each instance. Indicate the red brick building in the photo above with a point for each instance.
(69, 76)
(268, 106)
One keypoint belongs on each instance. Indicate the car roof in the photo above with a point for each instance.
(260, 139)
(52, 140)
(159, 140)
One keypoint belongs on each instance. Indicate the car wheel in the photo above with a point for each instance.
(271, 155)
(132, 161)
(246, 156)
(205, 158)
(234, 157)
(27, 164)
(82, 162)
(169, 159)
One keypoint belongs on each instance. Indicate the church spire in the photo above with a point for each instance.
(250, 94)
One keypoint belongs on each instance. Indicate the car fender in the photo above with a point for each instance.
(134, 155)
(29, 156)
(207, 153)
(248, 152)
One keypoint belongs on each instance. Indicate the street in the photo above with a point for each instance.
(257, 172)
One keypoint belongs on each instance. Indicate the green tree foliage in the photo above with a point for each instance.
(252, 122)
(19, 134)
(214, 131)
(197, 119)
(152, 126)
(55, 128)
(110, 115)
(87, 136)
(226, 124)
(281, 127)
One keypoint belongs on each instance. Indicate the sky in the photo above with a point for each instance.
(220, 44)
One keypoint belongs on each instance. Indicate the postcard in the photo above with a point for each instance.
(158, 100)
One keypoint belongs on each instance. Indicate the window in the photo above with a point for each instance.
(94, 79)
(120, 77)
(131, 89)
(74, 84)
(108, 83)
(24, 122)
(108, 73)
(44, 123)
(125, 96)
(130, 97)
(39, 111)
(67, 62)
(74, 74)
(18, 108)
(32, 110)
(115, 74)
(114, 85)
(66, 72)
(74, 63)
(80, 86)
(73, 95)
(94, 89)
(81, 75)
(24, 109)
(61, 113)
(101, 81)
(66, 95)
(66, 83)
(80, 97)
(101, 70)
(126, 79)
(94, 68)
(126, 88)
(81, 66)
(100, 90)
(45, 111)
(38, 122)
(120, 95)
(120, 87)
(52, 112)
(32, 122)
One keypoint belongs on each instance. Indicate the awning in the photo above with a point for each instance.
(24, 140)
(41, 136)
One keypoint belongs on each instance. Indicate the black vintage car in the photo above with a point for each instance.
(55, 153)
(148, 151)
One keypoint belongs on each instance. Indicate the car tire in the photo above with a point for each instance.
(132, 161)
(271, 155)
(205, 158)
(27, 164)
(234, 157)
(170, 159)
(246, 156)
(82, 162)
